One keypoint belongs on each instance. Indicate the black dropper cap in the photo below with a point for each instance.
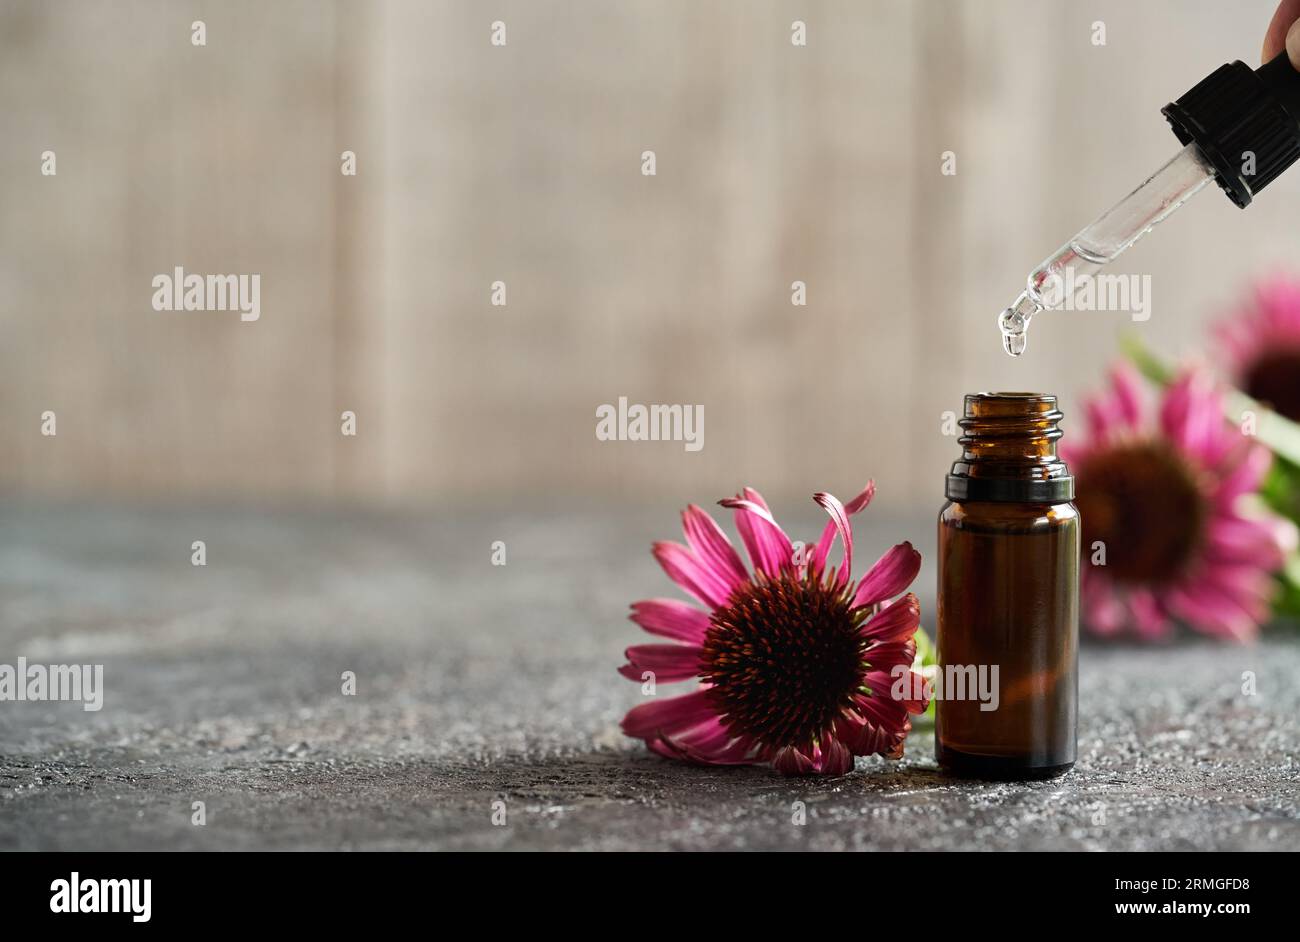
(1237, 111)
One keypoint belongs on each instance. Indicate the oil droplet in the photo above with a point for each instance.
(1014, 323)
(1014, 344)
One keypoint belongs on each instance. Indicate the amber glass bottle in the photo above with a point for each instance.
(1008, 608)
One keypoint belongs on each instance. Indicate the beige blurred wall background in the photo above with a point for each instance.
(522, 164)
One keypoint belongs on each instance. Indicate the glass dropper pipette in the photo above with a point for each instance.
(1240, 127)
(1104, 239)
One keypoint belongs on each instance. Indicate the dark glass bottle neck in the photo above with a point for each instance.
(1009, 451)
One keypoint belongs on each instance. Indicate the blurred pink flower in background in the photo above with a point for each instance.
(1261, 341)
(795, 661)
(1168, 498)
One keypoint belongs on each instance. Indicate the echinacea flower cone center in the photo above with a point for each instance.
(1274, 379)
(785, 658)
(1142, 505)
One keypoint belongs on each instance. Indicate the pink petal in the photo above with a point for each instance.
(897, 621)
(1128, 394)
(1101, 420)
(1277, 307)
(1238, 344)
(840, 518)
(862, 500)
(916, 691)
(1151, 621)
(668, 715)
(900, 742)
(1103, 612)
(885, 657)
(1074, 453)
(1246, 476)
(854, 506)
(687, 571)
(710, 743)
(738, 753)
(1211, 611)
(1191, 416)
(790, 761)
(889, 682)
(671, 618)
(865, 738)
(1176, 408)
(831, 757)
(709, 738)
(1249, 586)
(668, 662)
(881, 709)
(769, 548)
(712, 547)
(890, 575)
(1260, 542)
(900, 685)
(865, 735)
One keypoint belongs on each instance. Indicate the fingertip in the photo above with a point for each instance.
(1281, 34)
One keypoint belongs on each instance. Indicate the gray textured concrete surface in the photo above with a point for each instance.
(478, 684)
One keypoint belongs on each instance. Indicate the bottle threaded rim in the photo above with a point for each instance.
(1009, 450)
